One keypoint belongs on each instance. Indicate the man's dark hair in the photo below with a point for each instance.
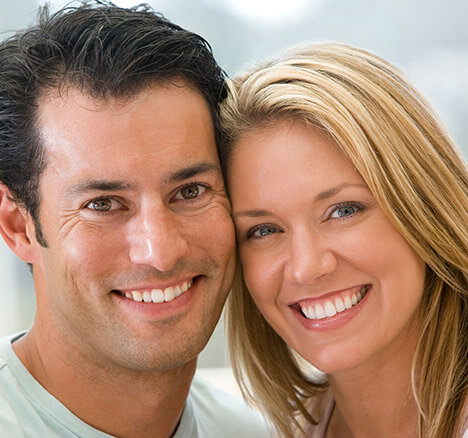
(104, 51)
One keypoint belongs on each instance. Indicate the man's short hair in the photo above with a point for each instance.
(103, 50)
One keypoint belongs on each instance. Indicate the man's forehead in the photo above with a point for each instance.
(155, 108)
(163, 135)
(67, 93)
(69, 96)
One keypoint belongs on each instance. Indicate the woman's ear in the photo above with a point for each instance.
(14, 225)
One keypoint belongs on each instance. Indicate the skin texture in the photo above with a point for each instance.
(309, 230)
(132, 199)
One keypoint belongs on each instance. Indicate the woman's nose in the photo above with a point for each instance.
(310, 257)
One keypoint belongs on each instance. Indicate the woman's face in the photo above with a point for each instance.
(323, 263)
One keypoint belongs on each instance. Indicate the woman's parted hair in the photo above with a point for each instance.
(394, 140)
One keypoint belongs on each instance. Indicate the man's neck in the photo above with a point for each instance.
(114, 400)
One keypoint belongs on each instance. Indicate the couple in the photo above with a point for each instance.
(350, 210)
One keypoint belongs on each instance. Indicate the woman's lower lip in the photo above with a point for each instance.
(333, 322)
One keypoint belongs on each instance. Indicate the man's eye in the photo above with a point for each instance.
(102, 205)
(189, 192)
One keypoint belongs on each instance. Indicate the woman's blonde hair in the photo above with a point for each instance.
(420, 180)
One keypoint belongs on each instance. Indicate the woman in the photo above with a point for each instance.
(351, 208)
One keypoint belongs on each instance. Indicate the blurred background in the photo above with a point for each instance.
(428, 39)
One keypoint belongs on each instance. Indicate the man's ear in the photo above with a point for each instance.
(14, 227)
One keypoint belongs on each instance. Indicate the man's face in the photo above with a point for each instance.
(140, 243)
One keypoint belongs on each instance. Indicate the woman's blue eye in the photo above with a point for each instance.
(262, 231)
(344, 211)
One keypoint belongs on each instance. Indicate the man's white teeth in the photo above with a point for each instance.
(137, 296)
(169, 294)
(332, 307)
(159, 295)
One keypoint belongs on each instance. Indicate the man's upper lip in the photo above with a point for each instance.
(156, 285)
(325, 295)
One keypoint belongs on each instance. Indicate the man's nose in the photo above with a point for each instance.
(157, 239)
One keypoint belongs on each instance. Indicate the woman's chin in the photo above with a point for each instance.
(329, 361)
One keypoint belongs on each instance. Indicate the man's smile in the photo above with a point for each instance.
(157, 295)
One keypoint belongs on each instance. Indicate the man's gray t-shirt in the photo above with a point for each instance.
(28, 410)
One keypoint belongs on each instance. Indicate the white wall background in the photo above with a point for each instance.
(427, 38)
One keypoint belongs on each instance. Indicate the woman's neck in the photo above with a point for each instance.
(376, 399)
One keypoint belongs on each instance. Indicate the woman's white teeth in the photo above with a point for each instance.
(332, 307)
(319, 312)
(159, 295)
(347, 302)
(339, 304)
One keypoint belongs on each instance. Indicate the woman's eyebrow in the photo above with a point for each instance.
(335, 190)
(319, 197)
(252, 213)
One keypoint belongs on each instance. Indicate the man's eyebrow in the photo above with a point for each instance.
(319, 197)
(97, 185)
(191, 171)
(113, 186)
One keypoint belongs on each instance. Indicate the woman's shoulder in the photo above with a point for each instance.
(321, 408)
(464, 430)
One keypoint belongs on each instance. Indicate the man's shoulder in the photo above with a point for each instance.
(8, 359)
(13, 401)
(27, 409)
(217, 411)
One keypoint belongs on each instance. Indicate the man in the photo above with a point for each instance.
(111, 190)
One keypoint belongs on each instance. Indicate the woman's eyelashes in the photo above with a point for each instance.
(338, 212)
(344, 210)
(261, 231)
